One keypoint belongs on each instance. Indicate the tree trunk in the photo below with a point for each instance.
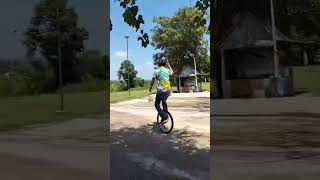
(178, 83)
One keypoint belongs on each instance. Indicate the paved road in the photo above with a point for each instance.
(148, 154)
(73, 150)
(266, 139)
(267, 106)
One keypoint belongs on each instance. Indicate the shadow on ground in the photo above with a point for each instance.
(145, 153)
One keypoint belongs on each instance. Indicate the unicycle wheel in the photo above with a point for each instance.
(167, 126)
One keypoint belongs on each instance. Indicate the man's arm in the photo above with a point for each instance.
(152, 82)
(170, 67)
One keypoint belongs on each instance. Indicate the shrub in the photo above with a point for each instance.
(139, 82)
(88, 84)
(118, 86)
(5, 87)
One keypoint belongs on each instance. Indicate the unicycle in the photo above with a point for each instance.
(167, 126)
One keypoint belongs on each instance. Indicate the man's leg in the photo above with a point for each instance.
(159, 98)
(164, 97)
(164, 101)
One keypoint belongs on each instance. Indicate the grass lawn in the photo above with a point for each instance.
(143, 92)
(307, 79)
(206, 86)
(18, 112)
(134, 94)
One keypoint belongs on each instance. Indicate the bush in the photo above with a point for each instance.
(5, 87)
(26, 79)
(88, 84)
(94, 63)
(139, 82)
(118, 86)
(121, 86)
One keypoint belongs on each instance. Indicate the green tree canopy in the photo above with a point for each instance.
(53, 19)
(132, 17)
(179, 36)
(127, 70)
(95, 64)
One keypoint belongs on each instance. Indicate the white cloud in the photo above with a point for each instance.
(149, 63)
(120, 54)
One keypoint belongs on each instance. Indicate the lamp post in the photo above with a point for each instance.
(196, 87)
(60, 63)
(275, 50)
(127, 38)
(195, 69)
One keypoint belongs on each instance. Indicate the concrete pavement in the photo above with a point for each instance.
(72, 150)
(265, 139)
(149, 154)
(266, 106)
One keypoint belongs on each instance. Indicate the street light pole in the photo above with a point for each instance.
(275, 50)
(60, 63)
(127, 38)
(195, 69)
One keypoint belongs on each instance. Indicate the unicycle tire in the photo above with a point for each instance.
(161, 126)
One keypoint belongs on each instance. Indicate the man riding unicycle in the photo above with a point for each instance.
(162, 75)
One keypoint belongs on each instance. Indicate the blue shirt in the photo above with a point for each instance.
(162, 75)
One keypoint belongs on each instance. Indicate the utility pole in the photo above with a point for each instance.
(60, 62)
(275, 50)
(127, 38)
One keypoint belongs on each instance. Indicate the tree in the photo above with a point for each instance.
(127, 70)
(41, 75)
(139, 82)
(94, 64)
(53, 20)
(204, 61)
(178, 37)
(132, 17)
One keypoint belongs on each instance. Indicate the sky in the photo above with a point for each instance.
(16, 14)
(139, 56)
